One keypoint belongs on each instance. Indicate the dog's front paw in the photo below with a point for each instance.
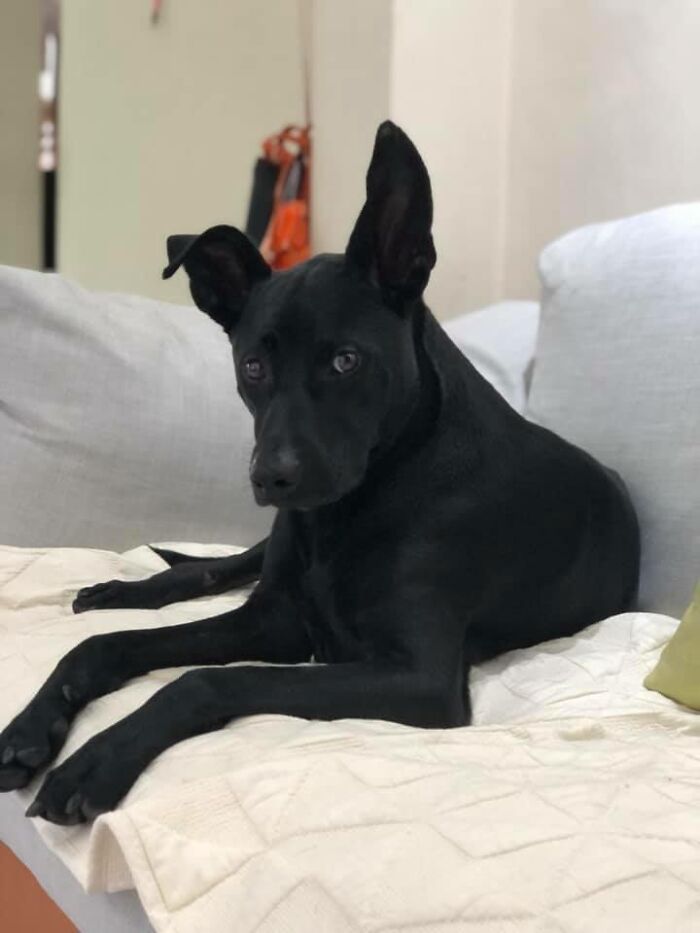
(114, 594)
(32, 740)
(92, 781)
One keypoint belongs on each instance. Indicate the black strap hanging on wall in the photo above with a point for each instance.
(48, 137)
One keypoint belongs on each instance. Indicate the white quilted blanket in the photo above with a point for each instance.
(573, 804)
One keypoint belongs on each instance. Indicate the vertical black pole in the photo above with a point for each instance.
(48, 138)
(49, 222)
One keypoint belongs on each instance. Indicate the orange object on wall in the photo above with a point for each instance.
(287, 238)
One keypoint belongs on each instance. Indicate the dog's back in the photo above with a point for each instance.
(550, 534)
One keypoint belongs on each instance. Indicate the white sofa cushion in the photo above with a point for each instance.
(119, 421)
(618, 373)
(500, 341)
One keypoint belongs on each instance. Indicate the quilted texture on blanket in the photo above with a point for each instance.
(573, 804)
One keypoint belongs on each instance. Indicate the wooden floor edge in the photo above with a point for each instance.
(24, 905)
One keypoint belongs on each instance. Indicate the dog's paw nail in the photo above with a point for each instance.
(82, 601)
(31, 757)
(73, 803)
(91, 812)
(13, 778)
(69, 693)
(36, 808)
(59, 728)
(8, 755)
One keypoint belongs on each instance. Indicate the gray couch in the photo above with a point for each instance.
(120, 422)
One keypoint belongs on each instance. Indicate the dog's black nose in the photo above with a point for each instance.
(276, 474)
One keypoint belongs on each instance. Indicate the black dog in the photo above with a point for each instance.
(423, 525)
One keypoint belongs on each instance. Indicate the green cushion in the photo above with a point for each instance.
(677, 675)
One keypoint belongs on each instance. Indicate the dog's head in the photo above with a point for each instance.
(324, 352)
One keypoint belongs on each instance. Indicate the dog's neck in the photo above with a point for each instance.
(415, 421)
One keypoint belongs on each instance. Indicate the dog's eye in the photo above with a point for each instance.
(345, 361)
(253, 369)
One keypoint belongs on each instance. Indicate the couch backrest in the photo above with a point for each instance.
(618, 373)
(120, 422)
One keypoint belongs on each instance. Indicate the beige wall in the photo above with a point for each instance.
(449, 85)
(351, 54)
(20, 204)
(605, 119)
(160, 127)
(534, 117)
(439, 69)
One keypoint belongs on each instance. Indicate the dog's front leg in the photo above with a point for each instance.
(184, 580)
(266, 628)
(99, 774)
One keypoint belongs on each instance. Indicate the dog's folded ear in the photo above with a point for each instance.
(391, 241)
(222, 265)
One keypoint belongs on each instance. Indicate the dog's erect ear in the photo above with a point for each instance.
(223, 265)
(391, 240)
